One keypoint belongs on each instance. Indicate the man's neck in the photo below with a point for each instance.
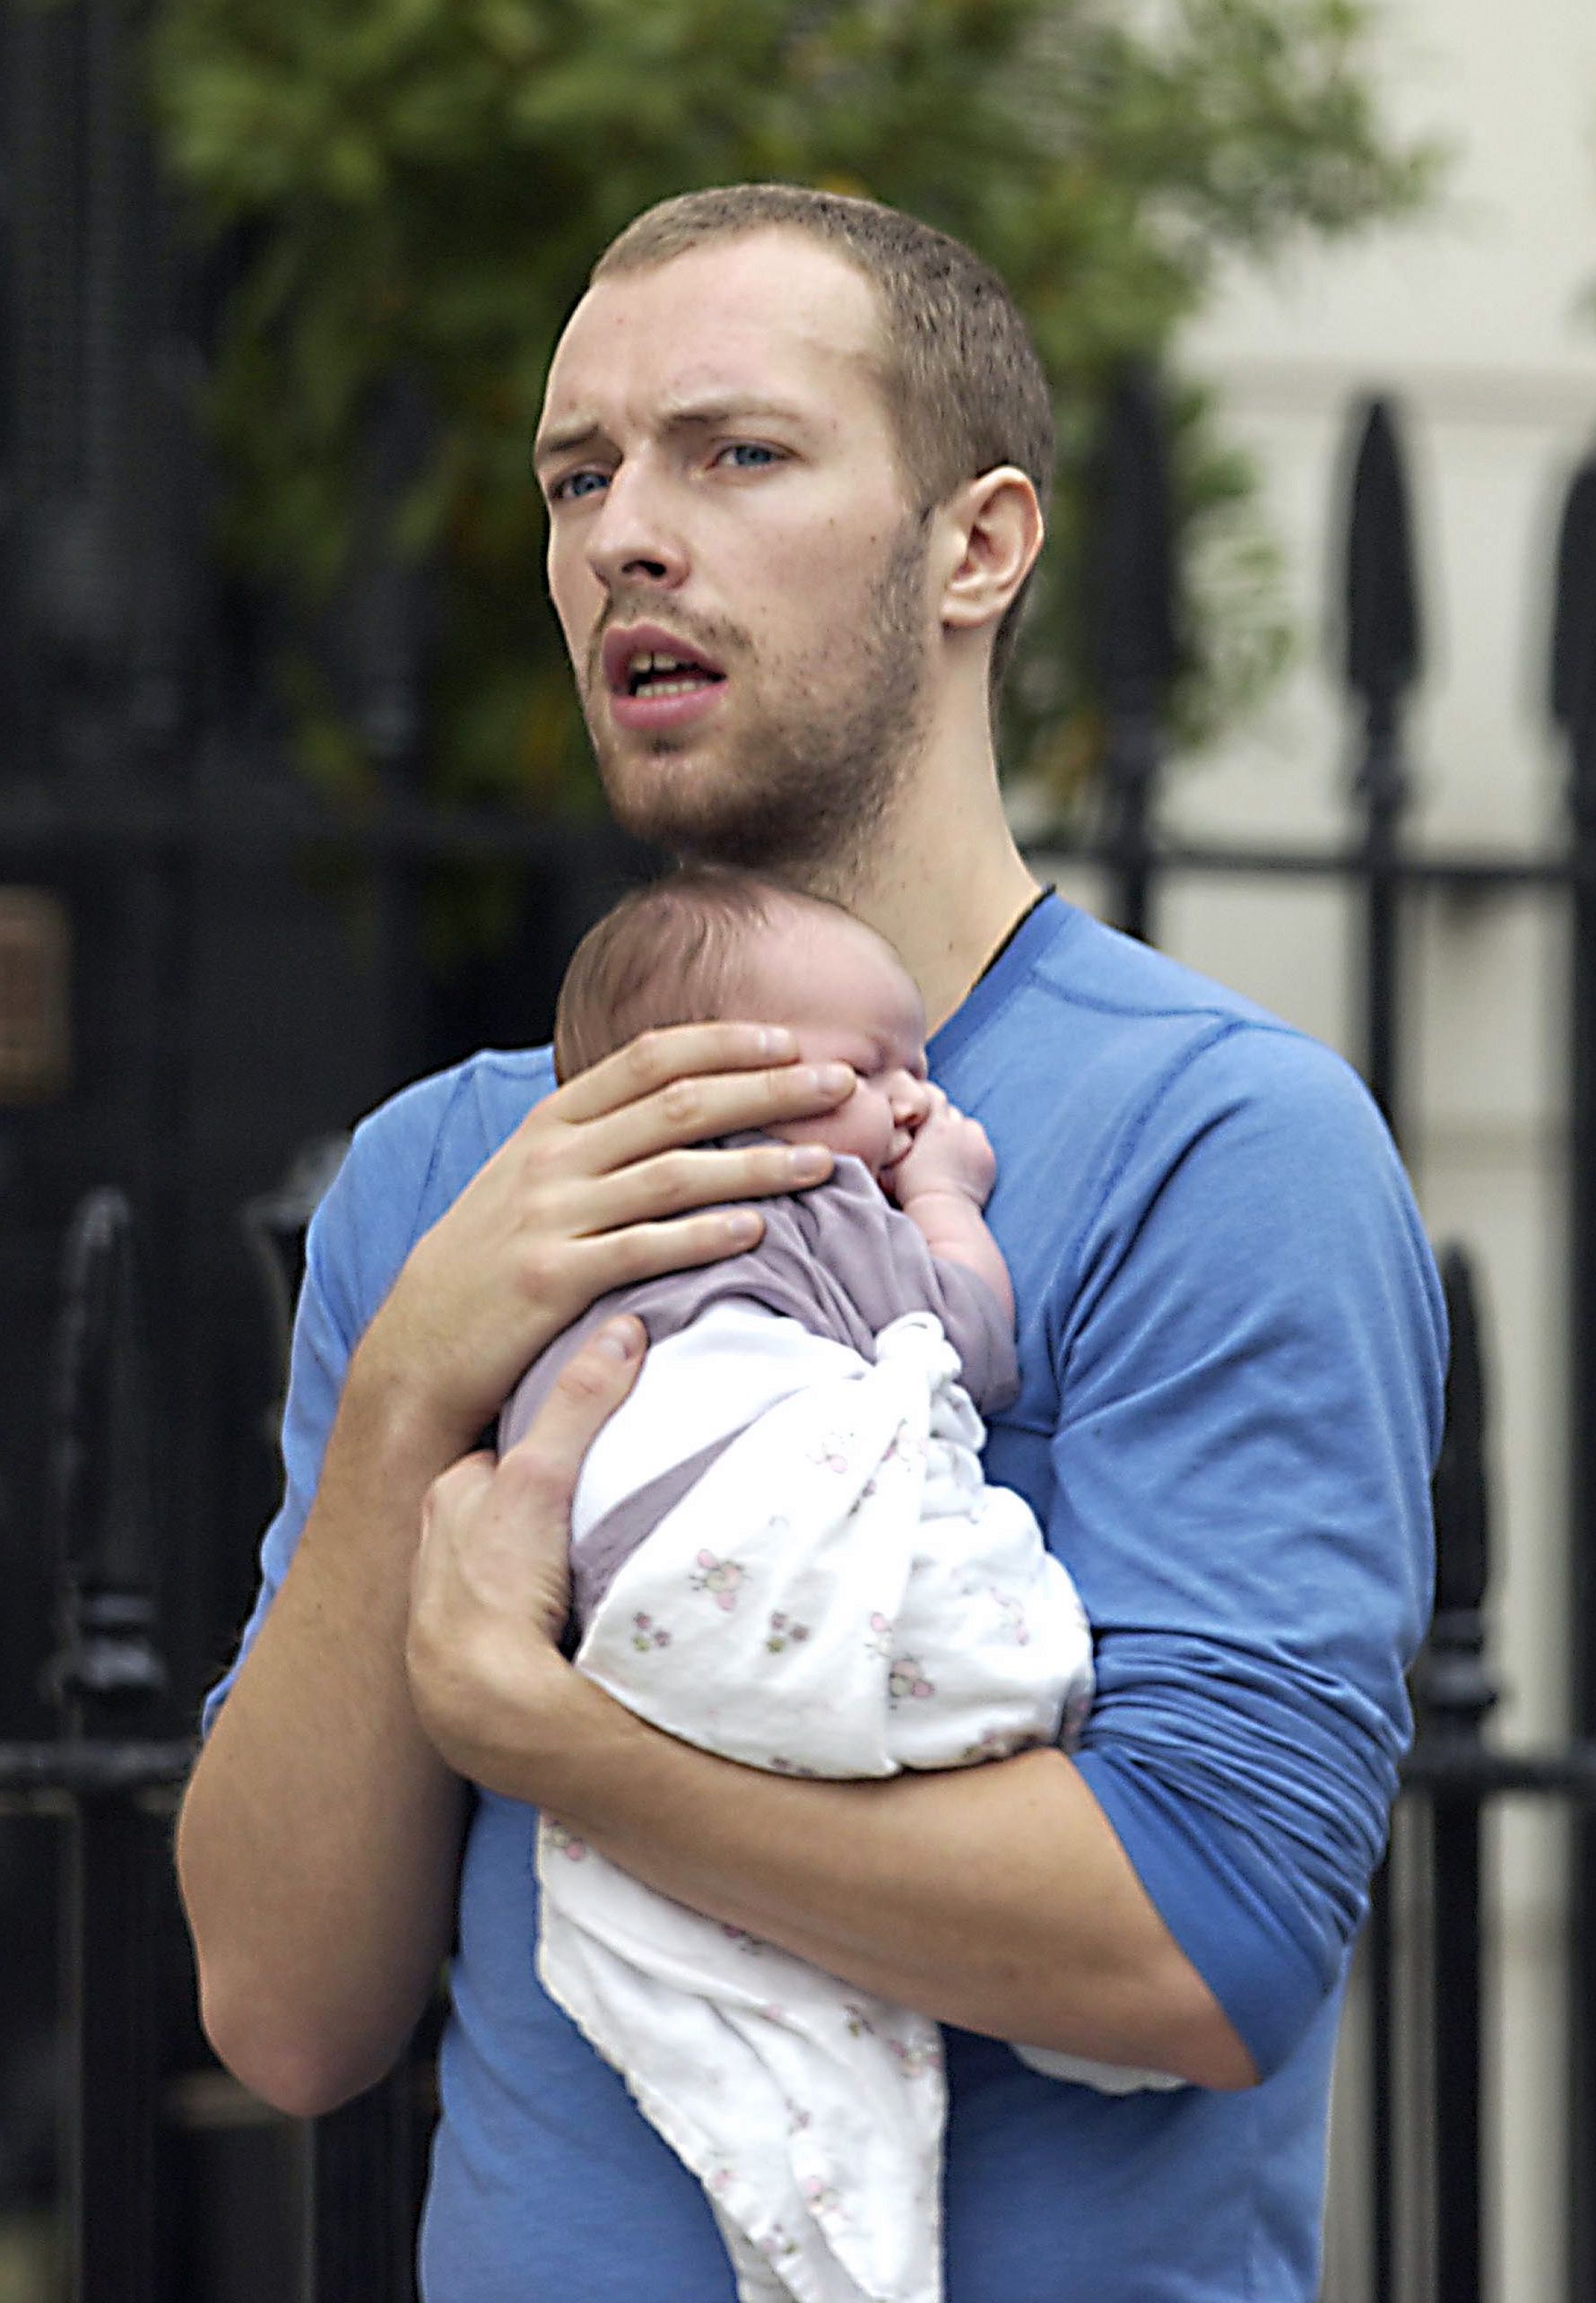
(937, 873)
(944, 883)
(947, 934)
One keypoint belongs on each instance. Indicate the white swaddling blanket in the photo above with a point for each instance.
(839, 1594)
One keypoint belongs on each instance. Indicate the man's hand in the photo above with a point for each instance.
(950, 1155)
(604, 1184)
(994, 1897)
(491, 1585)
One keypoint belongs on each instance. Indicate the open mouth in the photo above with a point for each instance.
(648, 664)
(651, 672)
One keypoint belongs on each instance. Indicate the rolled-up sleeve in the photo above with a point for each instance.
(1250, 1379)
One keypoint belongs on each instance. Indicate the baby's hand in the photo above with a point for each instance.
(949, 1153)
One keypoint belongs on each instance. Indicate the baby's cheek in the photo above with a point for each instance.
(838, 1130)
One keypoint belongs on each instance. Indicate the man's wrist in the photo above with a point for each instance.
(397, 1421)
(538, 1730)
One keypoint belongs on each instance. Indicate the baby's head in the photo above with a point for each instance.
(705, 944)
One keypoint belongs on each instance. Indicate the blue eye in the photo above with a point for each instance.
(748, 455)
(574, 485)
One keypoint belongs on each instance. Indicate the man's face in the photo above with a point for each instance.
(733, 555)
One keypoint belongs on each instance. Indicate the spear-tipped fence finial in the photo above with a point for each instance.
(1574, 640)
(1129, 618)
(1381, 656)
(1383, 650)
(100, 1467)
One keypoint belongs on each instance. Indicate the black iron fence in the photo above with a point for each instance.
(180, 1011)
(350, 2182)
(330, 2209)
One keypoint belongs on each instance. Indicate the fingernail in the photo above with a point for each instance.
(742, 1226)
(775, 1040)
(809, 1163)
(622, 1339)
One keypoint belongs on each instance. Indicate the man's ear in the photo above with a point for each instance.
(992, 531)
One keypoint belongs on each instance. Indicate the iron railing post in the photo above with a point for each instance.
(390, 617)
(360, 2223)
(358, 2235)
(1381, 660)
(1129, 619)
(274, 1224)
(1454, 1693)
(1573, 708)
(107, 1675)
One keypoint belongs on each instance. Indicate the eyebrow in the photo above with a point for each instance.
(686, 415)
(548, 445)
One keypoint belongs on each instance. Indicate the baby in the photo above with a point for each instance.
(712, 942)
(783, 1549)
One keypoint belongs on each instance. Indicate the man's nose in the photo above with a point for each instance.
(632, 539)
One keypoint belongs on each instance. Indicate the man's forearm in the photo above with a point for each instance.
(995, 1897)
(319, 1841)
(318, 1846)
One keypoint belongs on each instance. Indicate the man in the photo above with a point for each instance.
(793, 450)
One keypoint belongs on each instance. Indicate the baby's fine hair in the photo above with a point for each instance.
(675, 951)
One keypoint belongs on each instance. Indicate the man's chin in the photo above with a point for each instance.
(702, 827)
(690, 798)
(653, 790)
(654, 781)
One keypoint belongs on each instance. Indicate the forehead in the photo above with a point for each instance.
(819, 962)
(772, 315)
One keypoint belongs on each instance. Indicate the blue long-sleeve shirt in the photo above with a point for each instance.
(1231, 1349)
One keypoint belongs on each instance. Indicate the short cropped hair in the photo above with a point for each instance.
(959, 372)
(675, 951)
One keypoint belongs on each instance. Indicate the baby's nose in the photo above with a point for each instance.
(910, 1099)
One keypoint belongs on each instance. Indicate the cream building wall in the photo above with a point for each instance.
(1472, 321)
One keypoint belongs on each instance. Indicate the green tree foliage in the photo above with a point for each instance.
(424, 183)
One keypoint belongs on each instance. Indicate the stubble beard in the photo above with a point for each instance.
(817, 774)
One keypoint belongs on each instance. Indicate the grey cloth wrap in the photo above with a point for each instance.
(840, 1259)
